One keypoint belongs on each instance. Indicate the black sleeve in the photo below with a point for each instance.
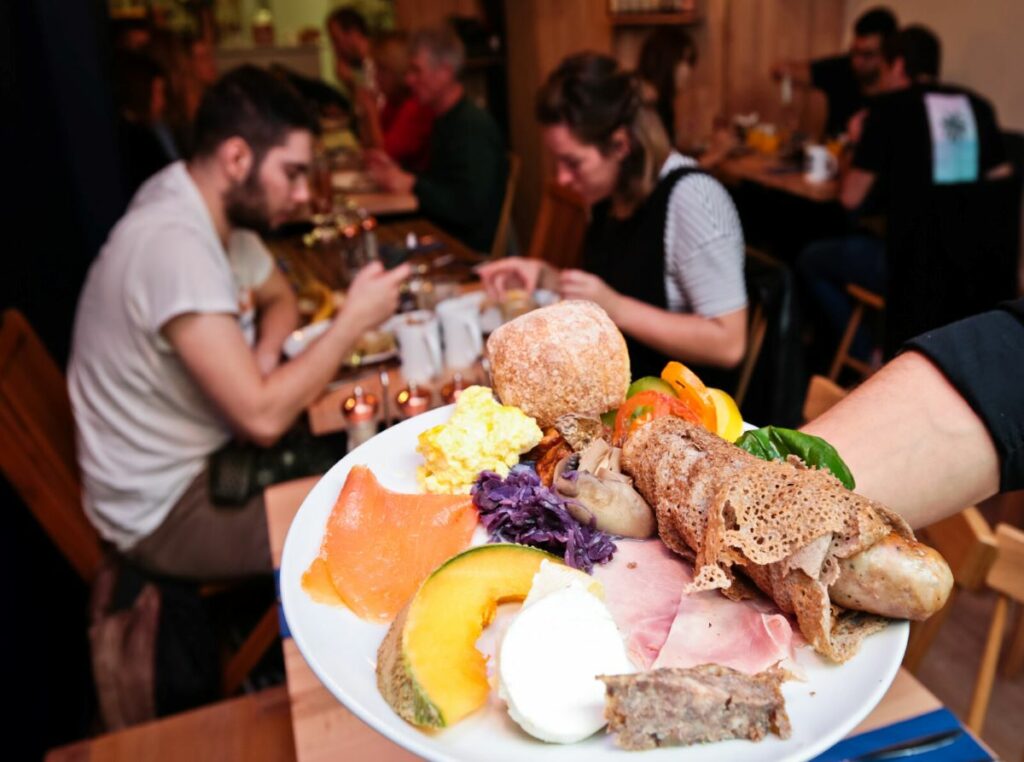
(870, 153)
(829, 73)
(991, 152)
(983, 357)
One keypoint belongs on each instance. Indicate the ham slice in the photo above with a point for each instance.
(642, 584)
(664, 627)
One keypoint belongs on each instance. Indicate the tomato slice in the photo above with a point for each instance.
(642, 408)
(691, 389)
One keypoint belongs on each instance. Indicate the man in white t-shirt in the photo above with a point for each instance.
(179, 332)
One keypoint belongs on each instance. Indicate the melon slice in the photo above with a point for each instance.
(428, 668)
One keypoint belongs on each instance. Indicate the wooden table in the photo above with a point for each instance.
(302, 263)
(379, 203)
(256, 727)
(326, 730)
(383, 204)
(769, 172)
(325, 415)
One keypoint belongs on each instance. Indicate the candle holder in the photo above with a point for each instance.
(450, 391)
(360, 413)
(413, 400)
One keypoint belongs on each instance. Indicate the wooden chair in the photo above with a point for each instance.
(821, 395)
(254, 727)
(560, 228)
(862, 298)
(500, 245)
(1006, 578)
(969, 547)
(37, 455)
(757, 326)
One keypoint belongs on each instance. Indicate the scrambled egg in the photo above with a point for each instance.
(482, 434)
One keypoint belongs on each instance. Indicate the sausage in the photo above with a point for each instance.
(896, 577)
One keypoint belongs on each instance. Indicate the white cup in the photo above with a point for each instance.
(460, 326)
(419, 345)
(819, 164)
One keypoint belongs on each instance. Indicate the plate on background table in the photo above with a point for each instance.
(341, 649)
(299, 339)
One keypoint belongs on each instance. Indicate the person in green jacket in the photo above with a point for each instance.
(462, 188)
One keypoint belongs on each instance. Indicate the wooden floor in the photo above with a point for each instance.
(950, 667)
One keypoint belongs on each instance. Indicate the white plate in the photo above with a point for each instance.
(341, 649)
(299, 339)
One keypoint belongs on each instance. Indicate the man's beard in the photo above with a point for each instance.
(245, 205)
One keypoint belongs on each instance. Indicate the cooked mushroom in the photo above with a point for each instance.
(580, 430)
(599, 492)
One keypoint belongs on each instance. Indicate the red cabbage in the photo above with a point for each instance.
(518, 508)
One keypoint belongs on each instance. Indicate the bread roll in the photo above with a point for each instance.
(566, 358)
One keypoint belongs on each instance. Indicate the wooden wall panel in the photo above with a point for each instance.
(540, 34)
(415, 14)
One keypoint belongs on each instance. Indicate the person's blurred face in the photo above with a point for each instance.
(392, 66)
(683, 72)
(204, 66)
(866, 59)
(275, 188)
(584, 168)
(894, 76)
(428, 78)
(348, 44)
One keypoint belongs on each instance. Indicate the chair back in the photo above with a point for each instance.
(1006, 578)
(37, 443)
(966, 541)
(560, 229)
(862, 299)
(499, 247)
(770, 375)
(821, 395)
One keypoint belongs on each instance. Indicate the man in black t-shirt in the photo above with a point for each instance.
(936, 153)
(846, 80)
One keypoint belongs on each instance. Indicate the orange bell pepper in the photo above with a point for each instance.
(692, 390)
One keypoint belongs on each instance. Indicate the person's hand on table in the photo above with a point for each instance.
(578, 284)
(386, 173)
(723, 141)
(373, 296)
(514, 273)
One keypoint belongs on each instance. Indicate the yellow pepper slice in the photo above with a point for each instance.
(729, 418)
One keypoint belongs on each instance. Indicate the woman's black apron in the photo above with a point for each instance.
(629, 255)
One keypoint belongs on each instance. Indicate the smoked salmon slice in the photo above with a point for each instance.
(380, 545)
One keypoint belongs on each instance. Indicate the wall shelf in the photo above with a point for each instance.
(654, 19)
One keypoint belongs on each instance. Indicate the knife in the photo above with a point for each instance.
(911, 748)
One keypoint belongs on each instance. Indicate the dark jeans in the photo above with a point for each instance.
(826, 267)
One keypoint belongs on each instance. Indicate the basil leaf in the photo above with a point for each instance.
(774, 443)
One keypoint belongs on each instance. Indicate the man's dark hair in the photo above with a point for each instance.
(349, 19)
(920, 50)
(880, 21)
(253, 104)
